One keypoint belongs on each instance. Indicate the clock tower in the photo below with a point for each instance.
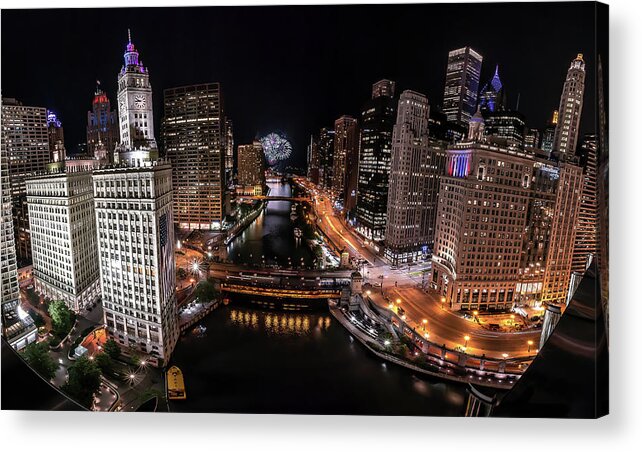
(135, 113)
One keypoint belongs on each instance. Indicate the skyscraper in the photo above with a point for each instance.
(63, 237)
(346, 161)
(26, 145)
(414, 182)
(251, 168)
(586, 235)
(508, 126)
(18, 327)
(504, 228)
(135, 111)
(462, 84)
(326, 157)
(531, 139)
(195, 140)
(102, 127)
(492, 96)
(548, 136)
(57, 152)
(134, 222)
(313, 160)
(229, 152)
(378, 117)
(570, 110)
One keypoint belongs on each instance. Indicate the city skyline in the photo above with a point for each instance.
(275, 97)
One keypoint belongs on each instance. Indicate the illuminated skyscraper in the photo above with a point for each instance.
(251, 168)
(346, 161)
(504, 228)
(507, 126)
(377, 121)
(313, 160)
(416, 164)
(194, 134)
(26, 144)
(462, 84)
(135, 111)
(586, 236)
(326, 156)
(57, 152)
(570, 110)
(18, 328)
(531, 139)
(492, 96)
(102, 127)
(134, 222)
(548, 136)
(229, 152)
(63, 237)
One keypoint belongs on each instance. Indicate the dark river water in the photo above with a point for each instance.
(256, 361)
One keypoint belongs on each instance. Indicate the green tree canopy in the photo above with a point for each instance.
(205, 291)
(104, 361)
(84, 381)
(61, 317)
(112, 349)
(37, 356)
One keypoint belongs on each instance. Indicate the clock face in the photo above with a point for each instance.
(140, 101)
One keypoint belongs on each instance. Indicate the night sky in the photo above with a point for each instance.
(293, 69)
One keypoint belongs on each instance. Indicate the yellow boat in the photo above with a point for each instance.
(175, 384)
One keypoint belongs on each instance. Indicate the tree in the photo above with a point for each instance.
(104, 361)
(61, 317)
(83, 382)
(112, 349)
(205, 291)
(181, 273)
(37, 356)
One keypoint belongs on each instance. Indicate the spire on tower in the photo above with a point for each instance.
(129, 36)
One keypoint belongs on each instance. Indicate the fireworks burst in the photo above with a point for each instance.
(276, 148)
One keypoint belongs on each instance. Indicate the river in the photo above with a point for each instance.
(259, 361)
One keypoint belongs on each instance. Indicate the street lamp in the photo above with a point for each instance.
(398, 300)
(505, 355)
(466, 338)
(529, 346)
(424, 321)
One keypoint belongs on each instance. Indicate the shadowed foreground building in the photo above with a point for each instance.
(377, 121)
(194, 134)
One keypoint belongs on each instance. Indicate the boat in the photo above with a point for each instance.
(175, 384)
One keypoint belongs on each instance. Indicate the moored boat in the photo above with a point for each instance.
(175, 384)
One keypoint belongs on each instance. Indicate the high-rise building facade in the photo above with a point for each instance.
(586, 235)
(134, 222)
(102, 127)
(492, 96)
(63, 237)
(378, 117)
(462, 84)
(57, 152)
(548, 135)
(25, 140)
(313, 160)
(18, 328)
(194, 135)
(570, 109)
(500, 227)
(326, 157)
(251, 168)
(136, 254)
(532, 139)
(416, 164)
(229, 152)
(507, 125)
(346, 161)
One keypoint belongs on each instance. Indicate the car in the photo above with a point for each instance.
(30, 286)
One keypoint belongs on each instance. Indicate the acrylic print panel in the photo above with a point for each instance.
(292, 219)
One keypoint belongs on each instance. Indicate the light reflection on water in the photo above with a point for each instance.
(279, 323)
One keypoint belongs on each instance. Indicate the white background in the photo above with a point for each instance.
(622, 430)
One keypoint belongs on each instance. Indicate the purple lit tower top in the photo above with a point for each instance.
(131, 56)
